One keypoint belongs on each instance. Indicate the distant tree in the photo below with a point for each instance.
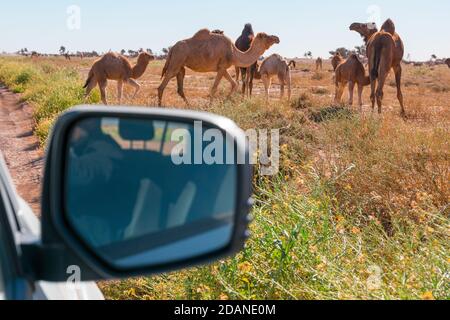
(62, 50)
(123, 52)
(433, 57)
(132, 53)
(308, 55)
(150, 51)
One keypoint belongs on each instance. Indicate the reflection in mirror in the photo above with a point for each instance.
(133, 205)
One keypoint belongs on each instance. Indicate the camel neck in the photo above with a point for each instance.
(139, 69)
(248, 58)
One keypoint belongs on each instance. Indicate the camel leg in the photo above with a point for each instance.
(398, 80)
(219, 77)
(91, 85)
(119, 90)
(135, 85)
(232, 82)
(244, 81)
(282, 84)
(247, 81)
(238, 70)
(103, 84)
(288, 80)
(340, 87)
(360, 92)
(351, 89)
(163, 86)
(180, 84)
(266, 81)
(373, 84)
(379, 93)
(250, 83)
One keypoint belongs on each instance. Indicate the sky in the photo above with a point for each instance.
(316, 26)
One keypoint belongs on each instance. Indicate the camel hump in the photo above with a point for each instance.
(202, 34)
(388, 26)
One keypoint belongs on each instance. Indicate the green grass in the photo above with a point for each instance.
(49, 89)
(358, 211)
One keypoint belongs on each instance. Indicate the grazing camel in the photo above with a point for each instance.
(447, 62)
(385, 51)
(248, 74)
(275, 65)
(350, 72)
(319, 64)
(336, 60)
(210, 52)
(113, 66)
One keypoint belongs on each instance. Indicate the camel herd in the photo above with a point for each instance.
(212, 51)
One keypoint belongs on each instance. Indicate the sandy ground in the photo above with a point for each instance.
(20, 147)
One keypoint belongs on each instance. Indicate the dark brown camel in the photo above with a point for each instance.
(248, 74)
(385, 51)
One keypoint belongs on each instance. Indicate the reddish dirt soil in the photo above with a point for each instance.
(20, 147)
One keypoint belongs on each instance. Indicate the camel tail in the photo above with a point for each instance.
(89, 79)
(376, 58)
(166, 65)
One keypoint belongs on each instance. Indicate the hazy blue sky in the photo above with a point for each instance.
(318, 26)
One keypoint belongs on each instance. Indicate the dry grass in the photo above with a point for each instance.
(356, 194)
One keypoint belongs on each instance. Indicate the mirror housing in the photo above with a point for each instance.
(61, 247)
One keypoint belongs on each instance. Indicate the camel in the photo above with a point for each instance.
(275, 65)
(385, 51)
(210, 52)
(447, 62)
(248, 74)
(319, 64)
(350, 72)
(336, 60)
(113, 66)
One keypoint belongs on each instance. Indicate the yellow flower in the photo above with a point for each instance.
(245, 267)
(428, 296)
(356, 230)
(223, 296)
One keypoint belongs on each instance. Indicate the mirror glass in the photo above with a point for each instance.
(149, 192)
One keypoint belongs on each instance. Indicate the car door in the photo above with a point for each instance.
(12, 284)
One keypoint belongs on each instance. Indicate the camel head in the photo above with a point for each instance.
(266, 40)
(145, 58)
(366, 30)
(388, 26)
(248, 29)
(447, 62)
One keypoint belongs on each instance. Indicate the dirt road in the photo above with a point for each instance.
(20, 147)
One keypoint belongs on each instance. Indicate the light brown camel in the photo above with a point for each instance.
(447, 62)
(210, 52)
(113, 66)
(336, 60)
(275, 65)
(350, 72)
(319, 64)
(385, 51)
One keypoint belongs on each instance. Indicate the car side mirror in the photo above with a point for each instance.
(133, 191)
